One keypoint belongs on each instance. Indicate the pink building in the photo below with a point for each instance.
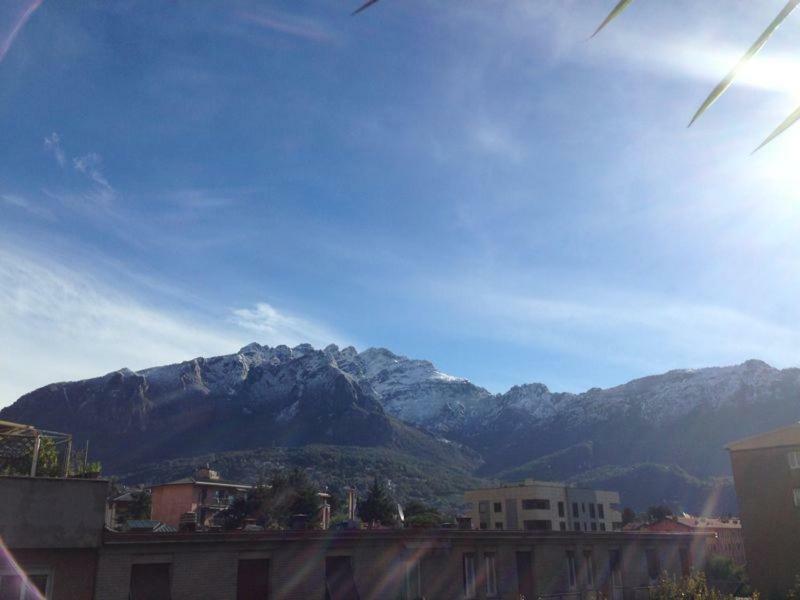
(204, 494)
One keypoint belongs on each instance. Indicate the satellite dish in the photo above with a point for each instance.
(400, 513)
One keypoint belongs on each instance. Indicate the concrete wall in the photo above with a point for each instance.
(204, 565)
(45, 512)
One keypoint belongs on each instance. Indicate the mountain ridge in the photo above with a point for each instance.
(265, 397)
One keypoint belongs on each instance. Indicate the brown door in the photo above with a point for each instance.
(252, 580)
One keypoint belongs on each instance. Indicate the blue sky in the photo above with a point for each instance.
(473, 182)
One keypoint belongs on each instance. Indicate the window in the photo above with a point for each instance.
(797, 497)
(653, 565)
(498, 525)
(594, 526)
(536, 504)
(537, 525)
(484, 525)
(470, 590)
(150, 582)
(562, 526)
(252, 579)
(414, 580)
(602, 526)
(577, 527)
(601, 511)
(575, 510)
(483, 506)
(794, 459)
(686, 563)
(14, 587)
(585, 527)
(583, 507)
(571, 577)
(591, 511)
(525, 581)
(498, 507)
(560, 509)
(588, 560)
(615, 566)
(490, 573)
(340, 583)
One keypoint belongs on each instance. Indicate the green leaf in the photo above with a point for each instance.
(621, 5)
(364, 6)
(788, 122)
(754, 49)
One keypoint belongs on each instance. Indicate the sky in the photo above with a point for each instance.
(472, 182)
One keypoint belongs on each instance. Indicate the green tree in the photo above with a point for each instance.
(693, 587)
(657, 513)
(417, 515)
(140, 506)
(377, 507)
(272, 504)
(628, 515)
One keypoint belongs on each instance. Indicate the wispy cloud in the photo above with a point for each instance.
(288, 24)
(26, 10)
(52, 143)
(26, 205)
(89, 164)
(60, 323)
(274, 326)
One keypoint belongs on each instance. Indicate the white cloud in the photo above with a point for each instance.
(645, 332)
(58, 324)
(276, 327)
(26, 205)
(52, 143)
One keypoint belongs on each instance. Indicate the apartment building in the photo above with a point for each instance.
(544, 506)
(766, 474)
(728, 540)
(205, 494)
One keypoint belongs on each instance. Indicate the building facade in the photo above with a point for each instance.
(766, 473)
(727, 541)
(205, 494)
(544, 506)
(390, 564)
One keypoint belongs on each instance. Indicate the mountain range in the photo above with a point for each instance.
(346, 416)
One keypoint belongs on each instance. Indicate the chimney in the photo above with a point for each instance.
(188, 522)
(206, 472)
(351, 504)
(464, 522)
(299, 522)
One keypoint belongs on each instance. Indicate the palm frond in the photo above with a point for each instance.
(759, 43)
(621, 5)
(788, 122)
(364, 6)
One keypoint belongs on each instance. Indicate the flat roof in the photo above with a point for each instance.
(535, 483)
(205, 482)
(438, 535)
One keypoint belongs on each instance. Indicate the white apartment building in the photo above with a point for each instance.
(543, 505)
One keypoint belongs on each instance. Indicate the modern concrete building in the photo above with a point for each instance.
(204, 494)
(544, 506)
(445, 564)
(766, 473)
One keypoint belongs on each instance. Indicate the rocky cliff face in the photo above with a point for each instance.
(293, 397)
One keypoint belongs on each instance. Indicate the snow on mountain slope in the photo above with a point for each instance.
(413, 390)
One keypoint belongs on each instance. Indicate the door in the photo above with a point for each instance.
(525, 583)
